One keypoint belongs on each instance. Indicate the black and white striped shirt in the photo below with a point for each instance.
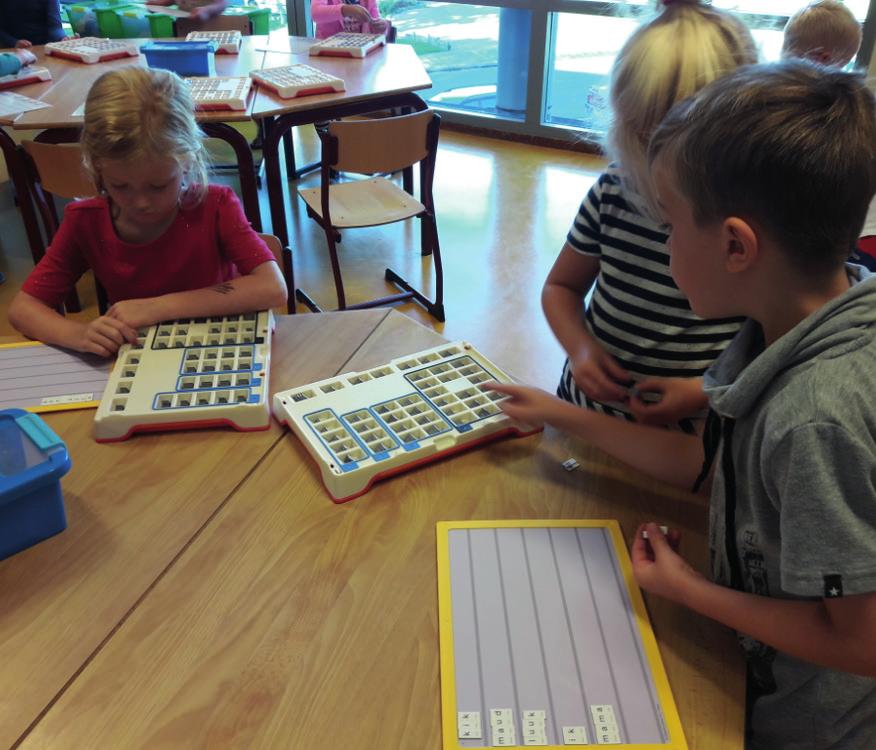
(637, 312)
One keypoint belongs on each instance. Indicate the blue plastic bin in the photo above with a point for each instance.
(183, 58)
(32, 461)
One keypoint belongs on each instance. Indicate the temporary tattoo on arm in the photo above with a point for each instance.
(224, 288)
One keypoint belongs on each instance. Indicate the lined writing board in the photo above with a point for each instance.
(42, 378)
(545, 640)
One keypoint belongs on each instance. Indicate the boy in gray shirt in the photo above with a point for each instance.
(764, 178)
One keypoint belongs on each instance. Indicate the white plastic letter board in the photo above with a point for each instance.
(218, 93)
(91, 50)
(25, 76)
(545, 640)
(182, 374)
(362, 426)
(291, 81)
(348, 44)
(227, 42)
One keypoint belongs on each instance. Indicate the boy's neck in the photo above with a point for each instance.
(794, 299)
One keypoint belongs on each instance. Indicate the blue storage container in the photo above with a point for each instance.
(32, 461)
(183, 58)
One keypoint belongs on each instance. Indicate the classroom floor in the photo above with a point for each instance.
(503, 211)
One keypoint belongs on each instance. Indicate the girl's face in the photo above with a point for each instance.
(145, 191)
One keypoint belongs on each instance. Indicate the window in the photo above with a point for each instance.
(541, 66)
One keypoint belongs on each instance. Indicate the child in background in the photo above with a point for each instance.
(162, 242)
(358, 16)
(792, 434)
(199, 10)
(639, 328)
(825, 31)
(12, 62)
(27, 22)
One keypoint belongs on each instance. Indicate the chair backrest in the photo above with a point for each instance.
(221, 22)
(385, 144)
(59, 169)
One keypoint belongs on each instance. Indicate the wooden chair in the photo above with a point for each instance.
(375, 147)
(55, 169)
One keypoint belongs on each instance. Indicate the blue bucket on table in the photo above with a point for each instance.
(183, 58)
(32, 461)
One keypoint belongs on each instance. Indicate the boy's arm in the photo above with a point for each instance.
(261, 289)
(672, 457)
(834, 633)
(206, 12)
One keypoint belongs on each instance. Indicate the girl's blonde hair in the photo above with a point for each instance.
(140, 113)
(687, 45)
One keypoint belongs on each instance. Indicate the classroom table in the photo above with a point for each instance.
(384, 79)
(208, 593)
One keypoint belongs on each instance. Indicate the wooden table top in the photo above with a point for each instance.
(208, 593)
(391, 69)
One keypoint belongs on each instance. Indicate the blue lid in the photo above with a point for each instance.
(31, 454)
(206, 45)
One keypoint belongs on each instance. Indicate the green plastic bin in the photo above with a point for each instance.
(110, 21)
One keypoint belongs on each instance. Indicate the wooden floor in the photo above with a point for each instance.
(503, 212)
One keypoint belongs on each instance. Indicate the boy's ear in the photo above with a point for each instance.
(741, 245)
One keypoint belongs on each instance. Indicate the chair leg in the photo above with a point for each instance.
(307, 301)
(336, 267)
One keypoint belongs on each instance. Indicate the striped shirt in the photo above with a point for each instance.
(637, 313)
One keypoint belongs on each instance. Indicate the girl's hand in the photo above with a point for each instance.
(680, 398)
(356, 13)
(378, 25)
(25, 56)
(527, 404)
(598, 374)
(658, 567)
(104, 336)
(136, 313)
(23, 44)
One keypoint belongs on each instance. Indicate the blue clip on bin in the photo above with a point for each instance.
(183, 58)
(32, 461)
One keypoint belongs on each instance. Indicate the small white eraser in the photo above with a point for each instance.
(570, 464)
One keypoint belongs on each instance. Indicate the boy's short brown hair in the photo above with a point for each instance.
(825, 31)
(789, 147)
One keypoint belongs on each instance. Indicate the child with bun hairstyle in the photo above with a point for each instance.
(638, 329)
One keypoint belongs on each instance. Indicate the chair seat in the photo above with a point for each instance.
(364, 203)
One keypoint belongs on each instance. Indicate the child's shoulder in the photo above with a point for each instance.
(85, 207)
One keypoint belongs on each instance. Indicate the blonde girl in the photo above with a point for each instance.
(638, 333)
(163, 242)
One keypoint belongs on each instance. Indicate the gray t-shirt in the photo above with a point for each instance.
(804, 517)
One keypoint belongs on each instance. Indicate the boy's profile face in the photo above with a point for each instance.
(695, 252)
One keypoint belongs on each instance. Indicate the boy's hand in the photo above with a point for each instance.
(23, 44)
(136, 313)
(680, 398)
(104, 336)
(598, 374)
(527, 404)
(25, 56)
(657, 566)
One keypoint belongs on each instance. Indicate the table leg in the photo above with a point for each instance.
(245, 168)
